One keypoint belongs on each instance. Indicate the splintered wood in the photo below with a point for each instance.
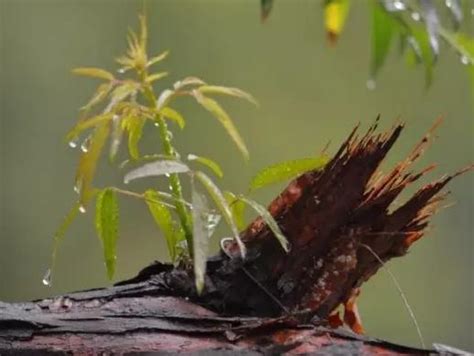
(338, 221)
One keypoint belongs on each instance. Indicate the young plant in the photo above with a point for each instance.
(127, 105)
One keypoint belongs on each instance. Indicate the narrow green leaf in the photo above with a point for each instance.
(423, 49)
(265, 9)
(157, 76)
(200, 236)
(124, 90)
(269, 220)
(88, 161)
(100, 94)
(209, 163)
(156, 168)
(283, 171)
(171, 114)
(116, 137)
(213, 107)
(86, 124)
(144, 158)
(157, 59)
(106, 222)
(221, 203)
(237, 208)
(164, 219)
(383, 28)
(180, 84)
(135, 130)
(94, 73)
(235, 92)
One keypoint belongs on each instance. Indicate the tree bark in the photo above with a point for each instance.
(341, 230)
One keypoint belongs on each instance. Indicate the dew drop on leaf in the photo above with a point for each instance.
(47, 278)
(121, 70)
(415, 16)
(157, 124)
(167, 175)
(371, 84)
(82, 209)
(465, 60)
(72, 144)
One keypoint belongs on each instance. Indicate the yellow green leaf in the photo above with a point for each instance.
(86, 124)
(157, 76)
(283, 171)
(213, 107)
(100, 94)
(209, 163)
(237, 207)
(172, 114)
(335, 15)
(164, 220)
(88, 161)
(236, 92)
(106, 222)
(269, 220)
(221, 203)
(94, 73)
(135, 130)
(158, 58)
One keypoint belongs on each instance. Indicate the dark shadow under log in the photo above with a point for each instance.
(341, 225)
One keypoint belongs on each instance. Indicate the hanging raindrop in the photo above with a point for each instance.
(465, 60)
(121, 70)
(82, 209)
(415, 16)
(371, 84)
(72, 144)
(47, 278)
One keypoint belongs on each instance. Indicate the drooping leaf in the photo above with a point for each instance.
(219, 90)
(237, 208)
(86, 124)
(144, 158)
(430, 14)
(382, 33)
(283, 171)
(423, 50)
(180, 84)
(200, 236)
(88, 161)
(100, 94)
(157, 168)
(269, 220)
(157, 76)
(265, 9)
(164, 219)
(116, 137)
(335, 15)
(106, 222)
(124, 90)
(213, 107)
(172, 114)
(135, 130)
(94, 73)
(164, 99)
(158, 58)
(223, 207)
(209, 163)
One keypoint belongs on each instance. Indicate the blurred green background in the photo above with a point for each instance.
(309, 94)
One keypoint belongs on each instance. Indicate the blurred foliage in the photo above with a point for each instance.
(416, 23)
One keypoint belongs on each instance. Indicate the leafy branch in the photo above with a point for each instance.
(125, 106)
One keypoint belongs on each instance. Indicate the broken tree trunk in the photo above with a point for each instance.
(341, 228)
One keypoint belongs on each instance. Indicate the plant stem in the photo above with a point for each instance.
(175, 183)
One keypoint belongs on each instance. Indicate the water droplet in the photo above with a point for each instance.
(77, 188)
(170, 135)
(84, 147)
(82, 209)
(157, 124)
(47, 278)
(371, 84)
(465, 60)
(121, 70)
(72, 144)
(212, 222)
(415, 16)
(170, 187)
(167, 175)
(395, 5)
(115, 117)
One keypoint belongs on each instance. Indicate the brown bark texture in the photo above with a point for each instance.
(341, 225)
